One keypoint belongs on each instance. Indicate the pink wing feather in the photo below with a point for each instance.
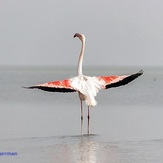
(55, 86)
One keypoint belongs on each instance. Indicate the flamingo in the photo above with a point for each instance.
(86, 86)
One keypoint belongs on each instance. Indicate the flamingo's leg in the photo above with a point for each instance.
(81, 117)
(81, 109)
(88, 121)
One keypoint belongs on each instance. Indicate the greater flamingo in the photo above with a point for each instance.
(86, 86)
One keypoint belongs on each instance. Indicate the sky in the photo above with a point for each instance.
(118, 32)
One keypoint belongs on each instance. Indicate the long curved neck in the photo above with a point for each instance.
(80, 61)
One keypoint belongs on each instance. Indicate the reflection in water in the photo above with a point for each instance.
(84, 150)
(89, 151)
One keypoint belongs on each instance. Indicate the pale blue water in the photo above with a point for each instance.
(125, 126)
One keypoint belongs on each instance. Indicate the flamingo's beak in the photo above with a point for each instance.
(75, 35)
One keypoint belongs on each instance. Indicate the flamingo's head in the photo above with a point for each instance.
(80, 36)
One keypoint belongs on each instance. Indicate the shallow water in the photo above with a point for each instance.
(125, 126)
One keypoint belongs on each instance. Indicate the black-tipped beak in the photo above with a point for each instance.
(75, 35)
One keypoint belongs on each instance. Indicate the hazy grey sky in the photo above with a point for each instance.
(118, 32)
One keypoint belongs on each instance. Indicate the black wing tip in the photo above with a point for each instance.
(140, 72)
(25, 87)
(28, 87)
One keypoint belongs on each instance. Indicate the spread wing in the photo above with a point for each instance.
(116, 81)
(54, 86)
